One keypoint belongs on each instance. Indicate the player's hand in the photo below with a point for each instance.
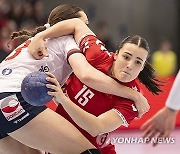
(142, 104)
(160, 125)
(37, 47)
(57, 93)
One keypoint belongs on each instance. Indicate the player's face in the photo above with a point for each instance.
(83, 17)
(129, 62)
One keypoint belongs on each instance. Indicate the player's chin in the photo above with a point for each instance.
(125, 77)
(122, 78)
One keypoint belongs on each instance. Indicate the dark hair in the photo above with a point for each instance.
(147, 75)
(60, 13)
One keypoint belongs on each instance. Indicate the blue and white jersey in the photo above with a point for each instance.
(20, 63)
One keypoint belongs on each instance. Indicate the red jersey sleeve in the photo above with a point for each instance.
(126, 108)
(96, 53)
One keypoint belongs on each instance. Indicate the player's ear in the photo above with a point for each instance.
(115, 55)
(143, 66)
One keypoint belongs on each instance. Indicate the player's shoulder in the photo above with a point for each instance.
(85, 38)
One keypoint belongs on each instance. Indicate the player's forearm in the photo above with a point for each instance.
(65, 27)
(173, 100)
(82, 118)
(103, 83)
(98, 80)
(170, 112)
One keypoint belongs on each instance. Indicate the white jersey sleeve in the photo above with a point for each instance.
(62, 46)
(69, 46)
(173, 100)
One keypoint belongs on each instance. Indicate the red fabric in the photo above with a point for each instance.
(156, 103)
(93, 101)
(96, 53)
(110, 149)
(98, 104)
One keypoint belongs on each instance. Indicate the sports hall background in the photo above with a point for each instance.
(152, 19)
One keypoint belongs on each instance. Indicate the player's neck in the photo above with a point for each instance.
(111, 72)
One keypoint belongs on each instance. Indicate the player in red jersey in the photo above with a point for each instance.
(93, 112)
(97, 103)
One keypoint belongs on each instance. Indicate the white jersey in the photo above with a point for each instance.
(20, 63)
(173, 100)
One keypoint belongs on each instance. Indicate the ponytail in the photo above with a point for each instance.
(25, 34)
(148, 78)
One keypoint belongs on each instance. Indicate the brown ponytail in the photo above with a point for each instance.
(25, 34)
(148, 78)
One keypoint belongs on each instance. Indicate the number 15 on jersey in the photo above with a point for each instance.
(84, 95)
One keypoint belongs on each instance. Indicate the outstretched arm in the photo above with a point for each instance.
(163, 122)
(160, 125)
(71, 26)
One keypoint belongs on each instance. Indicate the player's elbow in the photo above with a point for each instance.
(96, 130)
(86, 77)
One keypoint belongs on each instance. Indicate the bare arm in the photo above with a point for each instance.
(72, 26)
(98, 80)
(163, 122)
(160, 125)
(104, 123)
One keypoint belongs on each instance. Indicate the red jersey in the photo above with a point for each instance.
(96, 102)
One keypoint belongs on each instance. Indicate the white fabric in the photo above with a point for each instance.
(173, 100)
(47, 25)
(24, 64)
